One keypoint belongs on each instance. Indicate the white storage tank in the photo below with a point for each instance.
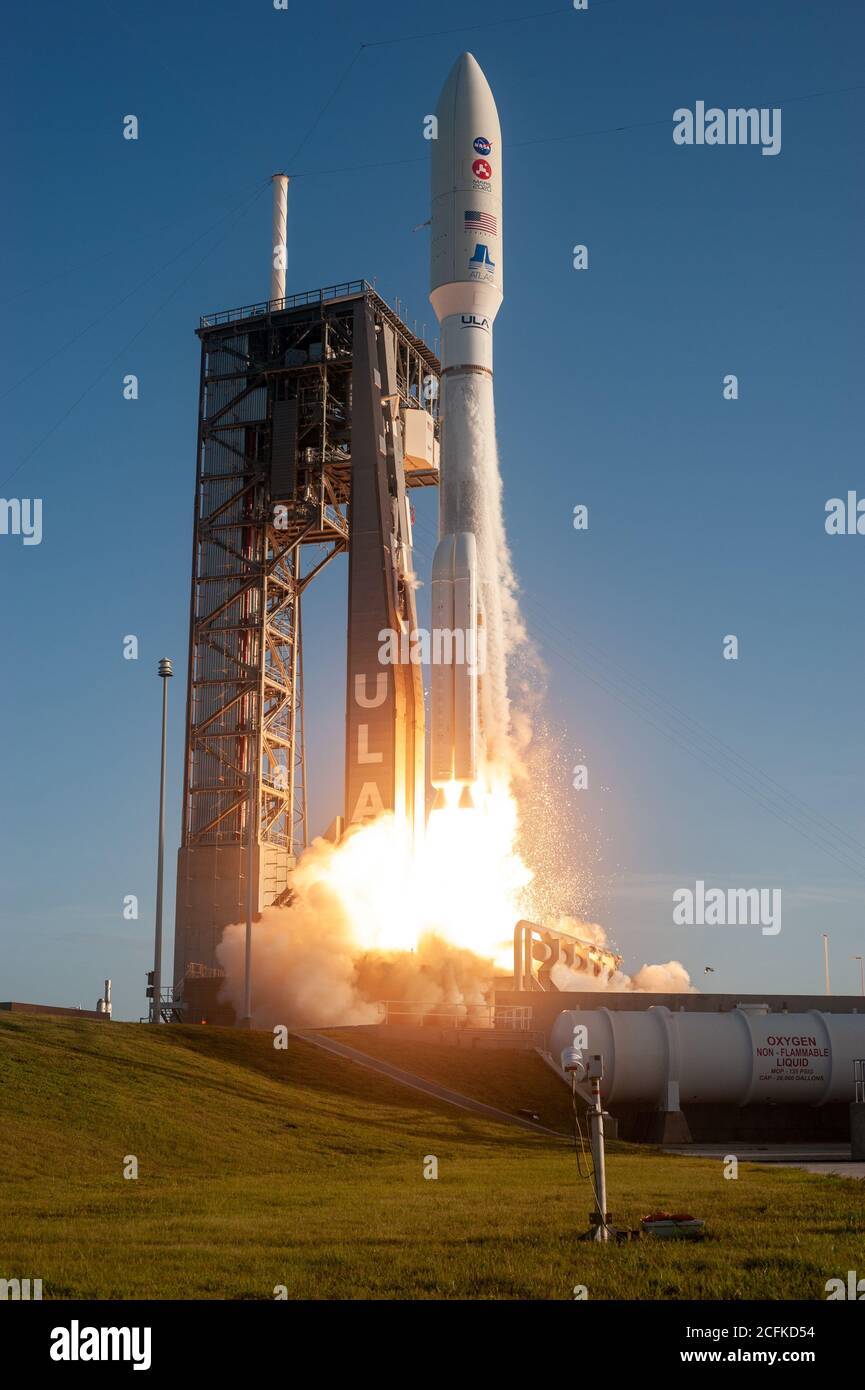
(744, 1056)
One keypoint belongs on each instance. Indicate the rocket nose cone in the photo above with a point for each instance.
(465, 84)
(467, 62)
(467, 72)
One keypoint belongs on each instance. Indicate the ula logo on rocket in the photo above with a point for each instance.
(472, 321)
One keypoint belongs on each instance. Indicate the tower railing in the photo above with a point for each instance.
(290, 301)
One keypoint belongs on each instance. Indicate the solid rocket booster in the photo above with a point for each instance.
(454, 691)
(466, 293)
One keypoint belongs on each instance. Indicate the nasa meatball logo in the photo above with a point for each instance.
(482, 170)
(482, 146)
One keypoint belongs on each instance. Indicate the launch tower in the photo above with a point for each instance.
(317, 412)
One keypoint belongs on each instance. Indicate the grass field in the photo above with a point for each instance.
(260, 1168)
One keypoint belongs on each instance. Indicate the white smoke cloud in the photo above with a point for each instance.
(670, 978)
(304, 968)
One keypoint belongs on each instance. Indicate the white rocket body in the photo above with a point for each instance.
(466, 293)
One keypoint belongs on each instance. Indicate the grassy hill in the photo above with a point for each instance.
(259, 1168)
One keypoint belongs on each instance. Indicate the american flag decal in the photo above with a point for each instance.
(480, 222)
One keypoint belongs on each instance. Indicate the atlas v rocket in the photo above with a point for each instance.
(466, 293)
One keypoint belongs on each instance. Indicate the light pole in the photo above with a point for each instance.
(861, 971)
(165, 673)
(826, 961)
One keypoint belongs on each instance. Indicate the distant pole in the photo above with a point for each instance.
(861, 972)
(165, 673)
(278, 239)
(246, 1021)
(826, 961)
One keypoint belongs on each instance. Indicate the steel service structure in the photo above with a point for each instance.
(317, 414)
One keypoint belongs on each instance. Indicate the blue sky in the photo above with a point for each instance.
(706, 515)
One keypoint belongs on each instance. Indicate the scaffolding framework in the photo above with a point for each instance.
(273, 507)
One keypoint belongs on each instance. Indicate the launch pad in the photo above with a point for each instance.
(317, 414)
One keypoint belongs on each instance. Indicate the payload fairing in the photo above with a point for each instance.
(466, 293)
